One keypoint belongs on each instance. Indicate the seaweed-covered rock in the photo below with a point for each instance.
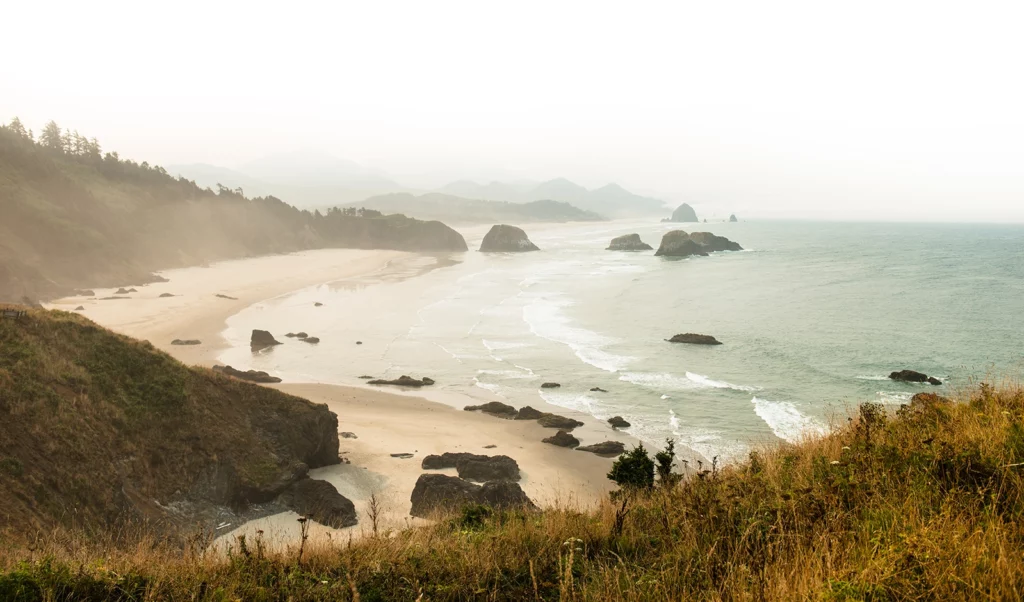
(261, 339)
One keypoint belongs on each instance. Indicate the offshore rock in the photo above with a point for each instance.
(509, 239)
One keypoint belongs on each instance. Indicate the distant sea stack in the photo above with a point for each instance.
(683, 213)
(680, 244)
(732, 218)
(507, 239)
(629, 242)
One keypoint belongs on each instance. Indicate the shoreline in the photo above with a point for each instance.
(385, 422)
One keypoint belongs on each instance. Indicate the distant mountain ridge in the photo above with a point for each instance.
(610, 200)
(455, 209)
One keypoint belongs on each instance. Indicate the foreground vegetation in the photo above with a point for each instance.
(920, 504)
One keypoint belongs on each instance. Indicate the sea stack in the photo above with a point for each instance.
(507, 239)
(680, 244)
(684, 213)
(629, 242)
(732, 218)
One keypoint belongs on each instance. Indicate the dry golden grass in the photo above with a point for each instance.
(922, 504)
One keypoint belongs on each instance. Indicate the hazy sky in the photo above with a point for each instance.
(861, 109)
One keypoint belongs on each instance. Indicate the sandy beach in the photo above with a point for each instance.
(383, 422)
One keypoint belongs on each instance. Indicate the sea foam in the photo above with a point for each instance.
(664, 380)
(786, 421)
(545, 318)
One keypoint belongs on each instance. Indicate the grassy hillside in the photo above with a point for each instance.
(71, 217)
(920, 504)
(461, 210)
(98, 431)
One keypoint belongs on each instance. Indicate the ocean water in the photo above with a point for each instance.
(813, 316)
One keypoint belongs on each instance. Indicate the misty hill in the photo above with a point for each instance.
(97, 429)
(611, 200)
(454, 209)
(75, 218)
(325, 181)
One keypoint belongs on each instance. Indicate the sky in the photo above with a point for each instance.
(817, 110)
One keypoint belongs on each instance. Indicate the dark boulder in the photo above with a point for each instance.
(494, 408)
(562, 439)
(509, 239)
(684, 213)
(475, 467)
(122, 291)
(80, 308)
(403, 381)
(554, 421)
(296, 335)
(504, 495)
(318, 304)
(678, 243)
(629, 242)
(528, 413)
(249, 375)
(226, 297)
(439, 492)
(598, 390)
(310, 340)
(367, 377)
(912, 376)
(605, 449)
(320, 501)
(165, 295)
(261, 339)
(618, 422)
(186, 342)
(550, 386)
(695, 339)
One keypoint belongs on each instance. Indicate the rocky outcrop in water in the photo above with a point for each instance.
(605, 449)
(261, 339)
(320, 501)
(186, 342)
(475, 467)
(554, 421)
(562, 439)
(912, 376)
(550, 386)
(695, 339)
(732, 218)
(494, 408)
(403, 381)
(629, 242)
(678, 243)
(435, 493)
(618, 422)
(508, 239)
(683, 213)
(249, 375)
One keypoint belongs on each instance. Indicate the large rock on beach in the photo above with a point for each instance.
(439, 492)
(606, 449)
(494, 408)
(629, 242)
(528, 413)
(402, 381)
(693, 338)
(912, 376)
(562, 439)
(509, 239)
(261, 339)
(256, 376)
(554, 421)
(618, 422)
(320, 501)
(475, 467)
(504, 494)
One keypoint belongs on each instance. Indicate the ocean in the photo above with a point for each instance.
(812, 316)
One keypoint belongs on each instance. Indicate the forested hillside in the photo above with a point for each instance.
(72, 216)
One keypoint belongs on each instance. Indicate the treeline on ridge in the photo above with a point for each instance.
(72, 216)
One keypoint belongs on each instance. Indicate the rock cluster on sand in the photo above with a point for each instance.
(678, 243)
(695, 339)
(605, 449)
(494, 408)
(475, 467)
(911, 376)
(438, 492)
(320, 501)
(249, 375)
(618, 422)
(403, 381)
(529, 413)
(261, 339)
(683, 213)
(562, 439)
(186, 342)
(509, 239)
(629, 242)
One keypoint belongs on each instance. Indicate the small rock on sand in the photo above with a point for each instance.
(402, 456)
(347, 435)
(186, 342)
(226, 297)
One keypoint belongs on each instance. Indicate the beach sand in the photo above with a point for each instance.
(384, 422)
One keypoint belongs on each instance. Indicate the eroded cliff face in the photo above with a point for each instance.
(99, 430)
